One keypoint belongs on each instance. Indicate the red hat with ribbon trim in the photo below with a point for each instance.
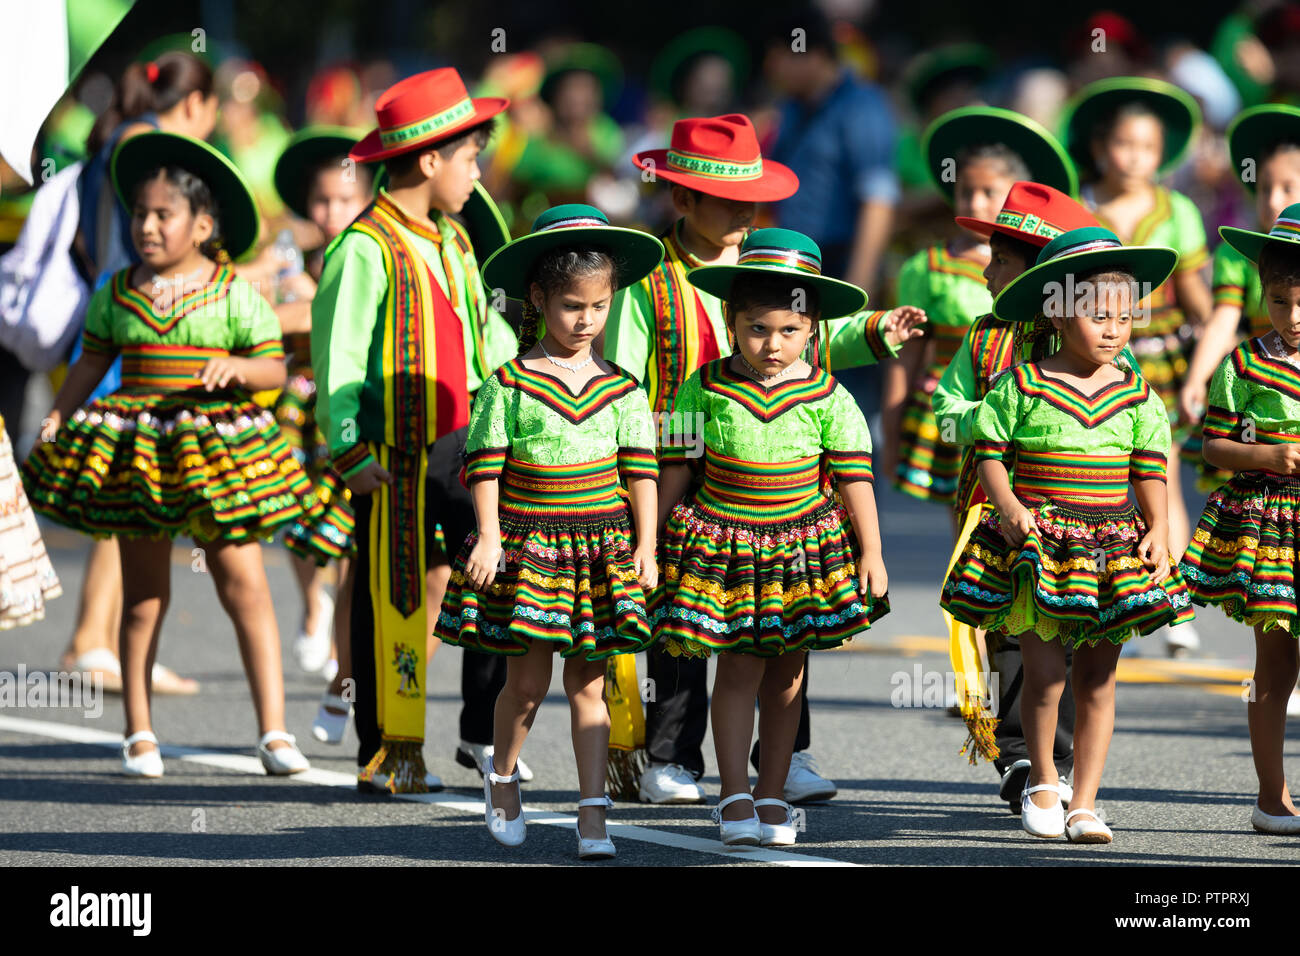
(421, 111)
(719, 156)
(1032, 213)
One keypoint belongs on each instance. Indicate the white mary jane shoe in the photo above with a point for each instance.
(1268, 823)
(737, 832)
(285, 760)
(1045, 822)
(311, 649)
(589, 849)
(1088, 831)
(776, 834)
(147, 764)
(507, 832)
(329, 727)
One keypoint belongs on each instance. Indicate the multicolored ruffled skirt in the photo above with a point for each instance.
(1243, 552)
(1077, 578)
(928, 467)
(325, 533)
(567, 575)
(137, 463)
(27, 578)
(759, 561)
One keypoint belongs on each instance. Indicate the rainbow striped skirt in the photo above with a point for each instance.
(139, 462)
(568, 576)
(1243, 552)
(759, 561)
(1078, 577)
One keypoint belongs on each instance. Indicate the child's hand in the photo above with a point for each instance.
(1154, 552)
(647, 571)
(219, 372)
(1284, 459)
(368, 480)
(481, 568)
(1191, 402)
(904, 323)
(51, 424)
(1016, 525)
(872, 577)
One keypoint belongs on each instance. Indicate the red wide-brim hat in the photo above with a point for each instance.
(422, 111)
(1032, 213)
(719, 156)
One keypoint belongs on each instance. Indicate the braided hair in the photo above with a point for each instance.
(553, 271)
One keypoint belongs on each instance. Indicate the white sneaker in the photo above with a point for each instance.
(312, 651)
(474, 755)
(1182, 641)
(803, 784)
(669, 783)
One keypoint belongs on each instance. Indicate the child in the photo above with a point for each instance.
(1243, 555)
(402, 335)
(758, 563)
(1125, 132)
(975, 154)
(316, 182)
(180, 448)
(1065, 560)
(661, 330)
(553, 564)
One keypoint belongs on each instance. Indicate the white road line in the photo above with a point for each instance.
(332, 778)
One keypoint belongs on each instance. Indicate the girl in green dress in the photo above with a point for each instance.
(180, 448)
(554, 564)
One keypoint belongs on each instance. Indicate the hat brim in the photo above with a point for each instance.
(777, 182)
(1254, 131)
(1250, 244)
(484, 223)
(637, 253)
(304, 154)
(371, 148)
(1047, 161)
(1022, 299)
(585, 58)
(837, 298)
(985, 229)
(236, 209)
(1178, 112)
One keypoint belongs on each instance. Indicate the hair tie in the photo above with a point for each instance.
(151, 71)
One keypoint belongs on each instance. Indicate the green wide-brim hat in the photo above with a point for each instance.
(480, 216)
(1080, 250)
(589, 58)
(931, 68)
(236, 209)
(1254, 132)
(969, 126)
(307, 150)
(782, 252)
(686, 47)
(636, 254)
(1178, 113)
(1250, 244)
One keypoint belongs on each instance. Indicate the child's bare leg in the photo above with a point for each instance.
(1180, 530)
(436, 579)
(240, 577)
(778, 723)
(1093, 677)
(584, 684)
(1040, 695)
(146, 591)
(527, 680)
(735, 686)
(99, 610)
(343, 625)
(310, 581)
(1276, 664)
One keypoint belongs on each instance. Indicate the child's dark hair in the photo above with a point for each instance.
(553, 271)
(1104, 126)
(480, 134)
(770, 291)
(1279, 264)
(364, 171)
(200, 198)
(175, 76)
(1283, 145)
(1008, 245)
(997, 152)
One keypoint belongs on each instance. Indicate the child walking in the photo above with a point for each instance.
(180, 448)
(759, 563)
(1243, 553)
(1065, 560)
(555, 563)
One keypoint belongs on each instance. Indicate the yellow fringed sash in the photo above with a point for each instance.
(626, 727)
(964, 653)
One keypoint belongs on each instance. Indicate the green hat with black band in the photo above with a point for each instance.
(1177, 110)
(971, 126)
(1256, 132)
(782, 252)
(236, 210)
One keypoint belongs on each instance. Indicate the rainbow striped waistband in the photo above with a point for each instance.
(165, 367)
(567, 486)
(732, 479)
(1066, 476)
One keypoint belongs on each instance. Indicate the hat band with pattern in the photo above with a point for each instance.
(573, 222)
(1028, 223)
(1093, 245)
(1287, 229)
(790, 258)
(423, 129)
(709, 167)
